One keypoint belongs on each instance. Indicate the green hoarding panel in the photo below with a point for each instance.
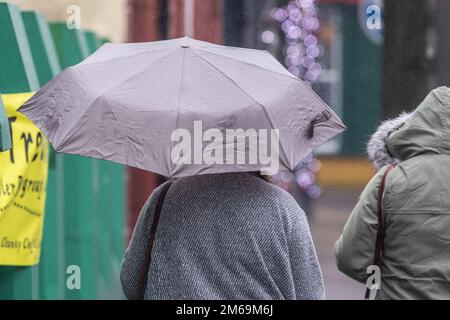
(71, 44)
(110, 228)
(19, 283)
(361, 83)
(103, 41)
(17, 74)
(41, 44)
(84, 223)
(51, 266)
(102, 246)
(113, 182)
(5, 134)
(78, 198)
(110, 204)
(43, 51)
(93, 42)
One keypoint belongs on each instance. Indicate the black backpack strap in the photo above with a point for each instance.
(148, 254)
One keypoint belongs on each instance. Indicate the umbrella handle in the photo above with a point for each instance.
(322, 117)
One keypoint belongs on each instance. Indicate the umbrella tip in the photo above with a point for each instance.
(185, 42)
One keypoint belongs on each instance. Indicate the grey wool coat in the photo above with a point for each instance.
(224, 236)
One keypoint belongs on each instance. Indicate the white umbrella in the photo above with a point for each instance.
(171, 107)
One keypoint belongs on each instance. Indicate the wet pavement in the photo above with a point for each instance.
(330, 212)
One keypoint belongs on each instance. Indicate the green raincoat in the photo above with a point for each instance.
(416, 208)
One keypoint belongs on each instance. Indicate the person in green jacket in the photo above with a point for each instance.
(416, 206)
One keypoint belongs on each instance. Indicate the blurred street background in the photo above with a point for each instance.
(368, 60)
(330, 215)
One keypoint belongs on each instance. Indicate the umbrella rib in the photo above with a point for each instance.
(289, 75)
(252, 98)
(179, 104)
(180, 92)
(74, 123)
(138, 53)
(314, 95)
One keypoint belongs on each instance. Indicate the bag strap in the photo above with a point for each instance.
(142, 284)
(378, 254)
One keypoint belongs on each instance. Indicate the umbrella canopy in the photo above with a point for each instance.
(171, 106)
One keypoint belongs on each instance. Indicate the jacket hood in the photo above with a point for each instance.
(426, 130)
(376, 148)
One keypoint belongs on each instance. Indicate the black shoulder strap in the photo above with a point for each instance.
(378, 254)
(142, 284)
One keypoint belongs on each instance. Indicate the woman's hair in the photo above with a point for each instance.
(262, 176)
(253, 173)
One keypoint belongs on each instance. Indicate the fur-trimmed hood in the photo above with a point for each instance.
(376, 148)
(426, 130)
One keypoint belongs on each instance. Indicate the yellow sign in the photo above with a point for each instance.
(23, 180)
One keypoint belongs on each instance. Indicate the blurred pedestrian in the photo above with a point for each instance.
(222, 236)
(402, 220)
